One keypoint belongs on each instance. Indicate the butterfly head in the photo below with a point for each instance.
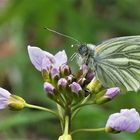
(83, 50)
(86, 54)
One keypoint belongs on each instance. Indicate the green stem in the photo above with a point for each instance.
(88, 130)
(66, 128)
(43, 109)
(83, 103)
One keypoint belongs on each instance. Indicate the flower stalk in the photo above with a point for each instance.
(43, 109)
(67, 125)
(88, 130)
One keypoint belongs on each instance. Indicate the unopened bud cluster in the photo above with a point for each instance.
(61, 84)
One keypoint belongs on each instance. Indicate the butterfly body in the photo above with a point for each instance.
(86, 55)
(116, 62)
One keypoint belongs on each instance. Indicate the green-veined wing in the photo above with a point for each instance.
(118, 63)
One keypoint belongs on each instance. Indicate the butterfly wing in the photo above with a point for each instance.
(117, 63)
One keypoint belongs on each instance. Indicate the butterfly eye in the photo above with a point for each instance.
(83, 50)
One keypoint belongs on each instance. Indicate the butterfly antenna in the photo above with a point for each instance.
(67, 36)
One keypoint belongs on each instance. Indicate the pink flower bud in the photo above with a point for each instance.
(49, 88)
(75, 87)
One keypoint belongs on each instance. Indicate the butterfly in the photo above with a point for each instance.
(116, 62)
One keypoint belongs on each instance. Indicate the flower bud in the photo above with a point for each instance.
(55, 74)
(65, 70)
(9, 100)
(16, 103)
(62, 83)
(77, 91)
(112, 92)
(75, 87)
(49, 88)
(127, 120)
(94, 86)
(106, 95)
(90, 75)
(46, 75)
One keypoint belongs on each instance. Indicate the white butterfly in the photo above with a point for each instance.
(116, 62)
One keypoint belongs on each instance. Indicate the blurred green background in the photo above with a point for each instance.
(22, 22)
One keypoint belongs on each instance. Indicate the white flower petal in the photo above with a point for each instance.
(3, 104)
(37, 55)
(4, 93)
(126, 120)
(60, 58)
(4, 96)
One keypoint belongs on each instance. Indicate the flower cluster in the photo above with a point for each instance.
(62, 85)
